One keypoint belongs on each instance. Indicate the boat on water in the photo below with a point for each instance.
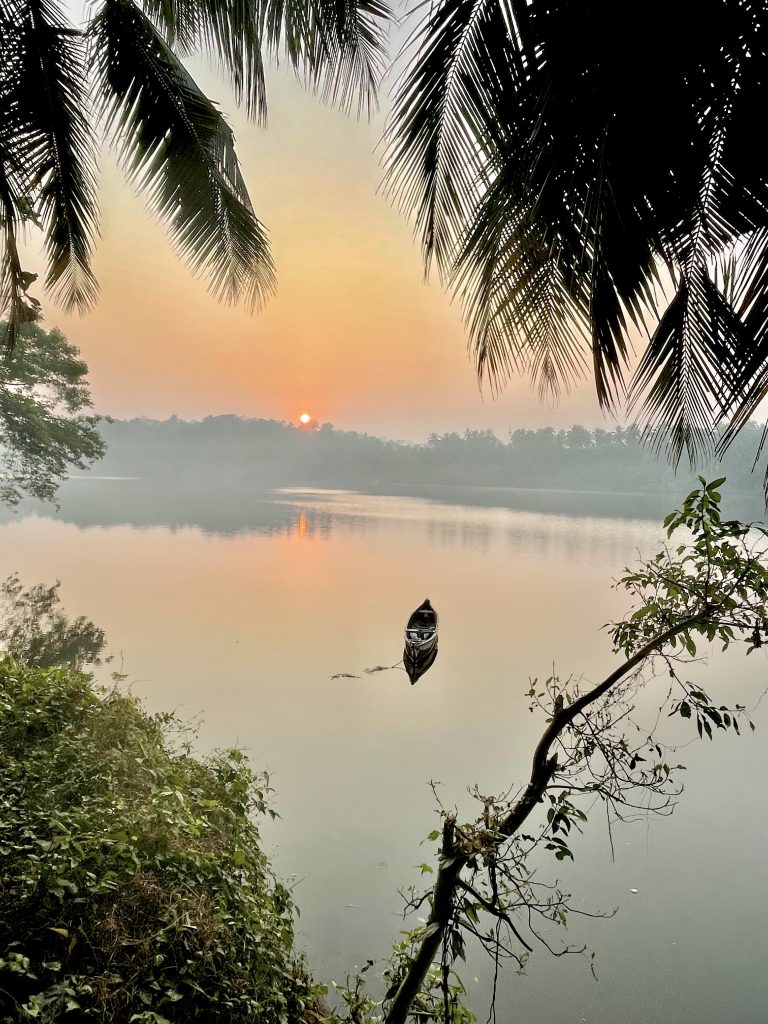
(420, 641)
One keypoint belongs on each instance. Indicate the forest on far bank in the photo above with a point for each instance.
(245, 452)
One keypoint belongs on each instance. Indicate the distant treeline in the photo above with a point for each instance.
(268, 453)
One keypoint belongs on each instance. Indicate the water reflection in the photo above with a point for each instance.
(207, 599)
(456, 517)
(315, 515)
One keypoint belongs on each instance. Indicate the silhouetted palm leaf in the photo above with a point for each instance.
(172, 139)
(348, 58)
(437, 156)
(561, 160)
(177, 147)
(52, 103)
(48, 154)
(689, 367)
(520, 308)
(11, 274)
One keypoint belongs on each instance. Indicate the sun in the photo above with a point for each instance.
(305, 418)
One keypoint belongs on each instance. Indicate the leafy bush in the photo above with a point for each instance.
(132, 882)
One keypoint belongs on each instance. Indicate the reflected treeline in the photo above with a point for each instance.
(444, 516)
(652, 505)
(231, 452)
(537, 524)
(89, 502)
(226, 510)
(228, 475)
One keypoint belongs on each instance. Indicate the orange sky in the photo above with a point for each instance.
(353, 335)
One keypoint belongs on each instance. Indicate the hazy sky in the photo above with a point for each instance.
(354, 336)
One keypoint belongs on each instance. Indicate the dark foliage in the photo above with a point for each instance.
(45, 429)
(59, 86)
(578, 171)
(132, 882)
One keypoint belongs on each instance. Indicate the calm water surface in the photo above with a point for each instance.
(241, 613)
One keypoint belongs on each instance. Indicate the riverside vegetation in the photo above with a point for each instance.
(237, 451)
(134, 887)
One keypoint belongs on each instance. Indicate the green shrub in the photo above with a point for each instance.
(132, 882)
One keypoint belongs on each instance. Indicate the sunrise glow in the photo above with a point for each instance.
(304, 418)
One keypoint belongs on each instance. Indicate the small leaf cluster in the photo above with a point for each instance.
(714, 583)
(133, 886)
(562, 816)
(696, 705)
(443, 995)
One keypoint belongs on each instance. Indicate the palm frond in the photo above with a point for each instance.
(57, 141)
(339, 46)
(233, 31)
(10, 266)
(349, 59)
(551, 177)
(689, 368)
(441, 135)
(177, 20)
(749, 289)
(179, 150)
(520, 312)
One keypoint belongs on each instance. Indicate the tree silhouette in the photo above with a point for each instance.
(577, 171)
(123, 73)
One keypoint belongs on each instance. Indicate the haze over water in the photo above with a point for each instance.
(246, 622)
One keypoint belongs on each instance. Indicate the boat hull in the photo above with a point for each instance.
(417, 662)
(420, 641)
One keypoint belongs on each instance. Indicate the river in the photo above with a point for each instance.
(241, 614)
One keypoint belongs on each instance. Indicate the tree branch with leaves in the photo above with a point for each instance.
(46, 427)
(712, 587)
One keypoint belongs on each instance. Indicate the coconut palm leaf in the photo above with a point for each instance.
(441, 132)
(46, 149)
(179, 21)
(691, 362)
(557, 183)
(174, 142)
(232, 31)
(349, 60)
(522, 315)
(51, 104)
(339, 47)
(179, 150)
(750, 300)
